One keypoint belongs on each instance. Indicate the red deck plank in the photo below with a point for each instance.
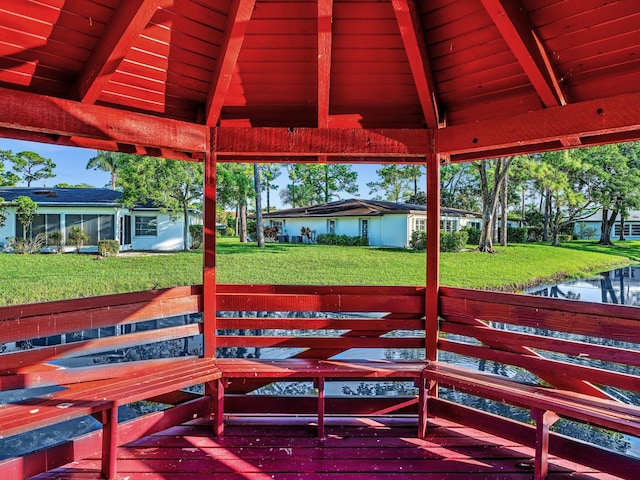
(284, 448)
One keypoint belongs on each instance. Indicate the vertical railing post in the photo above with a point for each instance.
(433, 255)
(209, 260)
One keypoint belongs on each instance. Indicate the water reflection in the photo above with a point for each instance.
(620, 286)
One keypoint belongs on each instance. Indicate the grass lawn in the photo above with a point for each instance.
(36, 278)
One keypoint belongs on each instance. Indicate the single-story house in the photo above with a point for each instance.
(386, 224)
(100, 213)
(589, 225)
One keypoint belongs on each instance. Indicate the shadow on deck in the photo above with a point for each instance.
(286, 447)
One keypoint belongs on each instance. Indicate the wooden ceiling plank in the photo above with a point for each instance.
(325, 20)
(305, 142)
(591, 118)
(408, 19)
(128, 22)
(56, 116)
(237, 22)
(519, 34)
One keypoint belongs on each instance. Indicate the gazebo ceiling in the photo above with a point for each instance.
(475, 78)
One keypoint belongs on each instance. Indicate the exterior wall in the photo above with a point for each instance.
(168, 238)
(169, 233)
(396, 231)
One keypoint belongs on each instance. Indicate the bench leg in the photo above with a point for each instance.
(110, 442)
(321, 404)
(422, 407)
(217, 406)
(544, 419)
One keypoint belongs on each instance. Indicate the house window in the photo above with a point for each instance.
(279, 224)
(364, 228)
(146, 226)
(331, 226)
(420, 224)
(448, 226)
(97, 227)
(635, 229)
(43, 224)
(617, 228)
(475, 224)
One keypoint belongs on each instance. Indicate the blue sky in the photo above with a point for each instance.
(71, 165)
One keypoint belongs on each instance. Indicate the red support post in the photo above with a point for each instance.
(433, 256)
(209, 271)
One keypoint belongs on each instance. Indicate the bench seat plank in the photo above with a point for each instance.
(104, 397)
(546, 404)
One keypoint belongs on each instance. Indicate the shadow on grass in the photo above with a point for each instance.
(252, 248)
(629, 249)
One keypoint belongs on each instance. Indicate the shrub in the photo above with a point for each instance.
(78, 236)
(342, 240)
(418, 240)
(517, 234)
(108, 248)
(306, 233)
(585, 232)
(563, 237)
(197, 236)
(25, 245)
(453, 242)
(270, 232)
(473, 235)
(229, 232)
(55, 238)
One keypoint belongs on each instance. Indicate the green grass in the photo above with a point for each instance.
(36, 278)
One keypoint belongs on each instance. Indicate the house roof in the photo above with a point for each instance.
(64, 196)
(484, 77)
(355, 207)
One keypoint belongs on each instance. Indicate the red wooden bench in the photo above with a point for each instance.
(546, 404)
(318, 371)
(102, 397)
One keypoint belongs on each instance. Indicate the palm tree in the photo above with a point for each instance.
(110, 162)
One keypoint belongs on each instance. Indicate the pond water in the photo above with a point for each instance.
(620, 286)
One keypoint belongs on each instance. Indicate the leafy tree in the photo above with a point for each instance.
(69, 185)
(170, 184)
(312, 184)
(235, 186)
(567, 183)
(459, 186)
(7, 178)
(492, 177)
(3, 212)
(110, 162)
(414, 174)
(78, 236)
(26, 212)
(32, 166)
(269, 172)
(394, 183)
(617, 187)
(258, 188)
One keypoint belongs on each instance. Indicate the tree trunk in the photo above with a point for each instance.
(607, 224)
(243, 221)
(503, 203)
(622, 221)
(547, 216)
(259, 229)
(185, 226)
(268, 199)
(490, 197)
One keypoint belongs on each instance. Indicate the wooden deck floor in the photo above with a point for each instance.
(286, 448)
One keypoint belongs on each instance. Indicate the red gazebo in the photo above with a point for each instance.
(347, 81)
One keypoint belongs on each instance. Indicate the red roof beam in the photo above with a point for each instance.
(97, 124)
(305, 142)
(408, 19)
(518, 32)
(237, 22)
(619, 116)
(129, 21)
(325, 19)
